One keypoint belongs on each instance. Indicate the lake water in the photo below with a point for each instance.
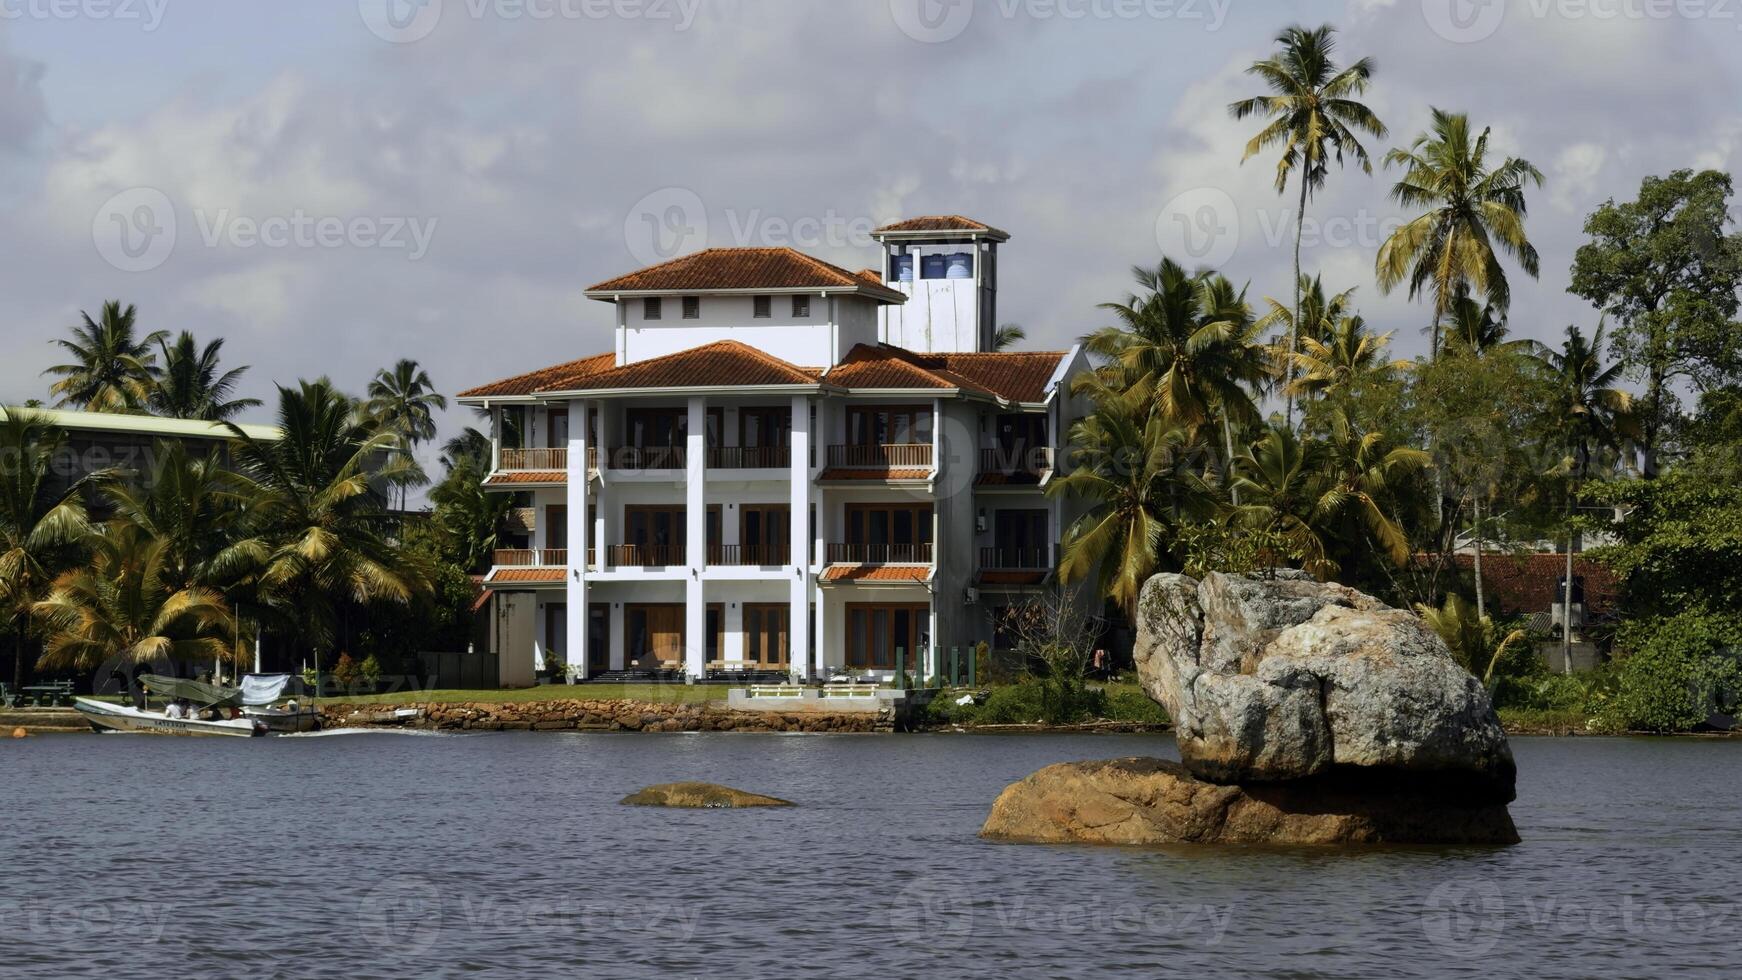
(390, 855)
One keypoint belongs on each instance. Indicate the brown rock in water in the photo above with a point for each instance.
(1151, 801)
(20, 733)
(703, 796)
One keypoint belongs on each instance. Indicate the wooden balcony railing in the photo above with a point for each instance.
(749, 555)
(903, 456)
(750, 457)
(880, 554)
(535, 460)
(649, 458)
(542, 558)
(1016, 559)
(644, 555)
(1033, 460)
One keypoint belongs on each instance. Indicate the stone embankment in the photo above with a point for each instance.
(593, 716)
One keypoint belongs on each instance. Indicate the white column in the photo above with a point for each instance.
(495, 438)
(579, 535)
(602, 523)
(820, 644)
(798, 639)
(696, 540)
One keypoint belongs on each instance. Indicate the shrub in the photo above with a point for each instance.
(369, 670)
(1132, 705)
(345, 671)
(1683, 670)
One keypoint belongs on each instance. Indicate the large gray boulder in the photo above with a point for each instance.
(1273, 679)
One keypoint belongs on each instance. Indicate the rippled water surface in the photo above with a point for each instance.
(383, 855)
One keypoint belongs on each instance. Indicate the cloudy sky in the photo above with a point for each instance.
(334, 184)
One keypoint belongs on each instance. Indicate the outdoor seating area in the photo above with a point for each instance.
(53, 694)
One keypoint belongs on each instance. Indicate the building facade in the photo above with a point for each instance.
(780, 468)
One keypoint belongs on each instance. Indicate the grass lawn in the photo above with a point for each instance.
(661, 693)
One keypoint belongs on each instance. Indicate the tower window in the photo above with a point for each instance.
(692, 307)
(801, 307)
(762, 307)
(650, 308)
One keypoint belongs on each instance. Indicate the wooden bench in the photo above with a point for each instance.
(56, 693)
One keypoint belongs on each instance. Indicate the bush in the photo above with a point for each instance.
(1684, 670)
(1132, 705)
(1553, 692)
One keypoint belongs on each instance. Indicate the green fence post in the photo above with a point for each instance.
(974, 666)
(955, 666)
(900, 669)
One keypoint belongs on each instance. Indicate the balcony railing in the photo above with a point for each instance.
(541, 558)
(535, 460)
(750, 457)
(749, 554)
(902, 456)
(1016, 559)
(879, 554)
(645, 555)
(1032, 460)
(649, 458)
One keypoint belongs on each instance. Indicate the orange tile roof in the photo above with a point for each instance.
(876, 573)
(528, 576)
(939, 222)
(845, 474)
(539, 476)
(870, 275)
(743, 268)
(547, 379)
(722, 363)
(1019, 376)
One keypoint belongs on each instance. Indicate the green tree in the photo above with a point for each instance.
(1008, 336)
(1346, 360)
(1315, 116)
(1666, 269)
(315, 502)
(111, 367)
(190, 384)
(124, 604)
(1471, 215)
(194, 505)
(42, 522)
(403, 401)
(468, 517)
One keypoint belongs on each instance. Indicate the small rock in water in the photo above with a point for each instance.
(20, 733)
(699, 796)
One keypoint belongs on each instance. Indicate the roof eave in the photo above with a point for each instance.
(888, 296)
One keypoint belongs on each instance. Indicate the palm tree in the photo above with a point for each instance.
(403, 401)
(1189, 346)
(1282, 480)
(1134, 466)
(1318, 312)
(468, 516)
(42, 522)
(1314, 116)
(125, 604)
(111, 368)
(1475, 327)
(1363, 471)
(1472, 213)
(1343, 362)
(189, 385)
(195, 505)
(1590, 411)
(320, 526)
(1008, 336)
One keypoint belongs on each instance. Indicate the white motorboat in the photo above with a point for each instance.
(104, 716)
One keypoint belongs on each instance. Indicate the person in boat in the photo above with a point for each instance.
(175, 710)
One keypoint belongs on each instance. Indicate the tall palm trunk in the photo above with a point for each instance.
(1294, 331)
(1228, 461)
(1567, 585)
(1481, 606)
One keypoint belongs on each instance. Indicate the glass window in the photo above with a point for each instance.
(650, 308)
(762, 307)
(801, 307)
(692, 307)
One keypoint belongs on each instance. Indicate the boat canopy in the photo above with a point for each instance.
(260, 689)
(198, 692)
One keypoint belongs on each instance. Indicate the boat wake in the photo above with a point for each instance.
(403, 732)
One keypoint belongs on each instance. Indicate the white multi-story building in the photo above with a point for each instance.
(781, 467)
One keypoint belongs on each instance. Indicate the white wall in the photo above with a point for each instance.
(941, 316)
